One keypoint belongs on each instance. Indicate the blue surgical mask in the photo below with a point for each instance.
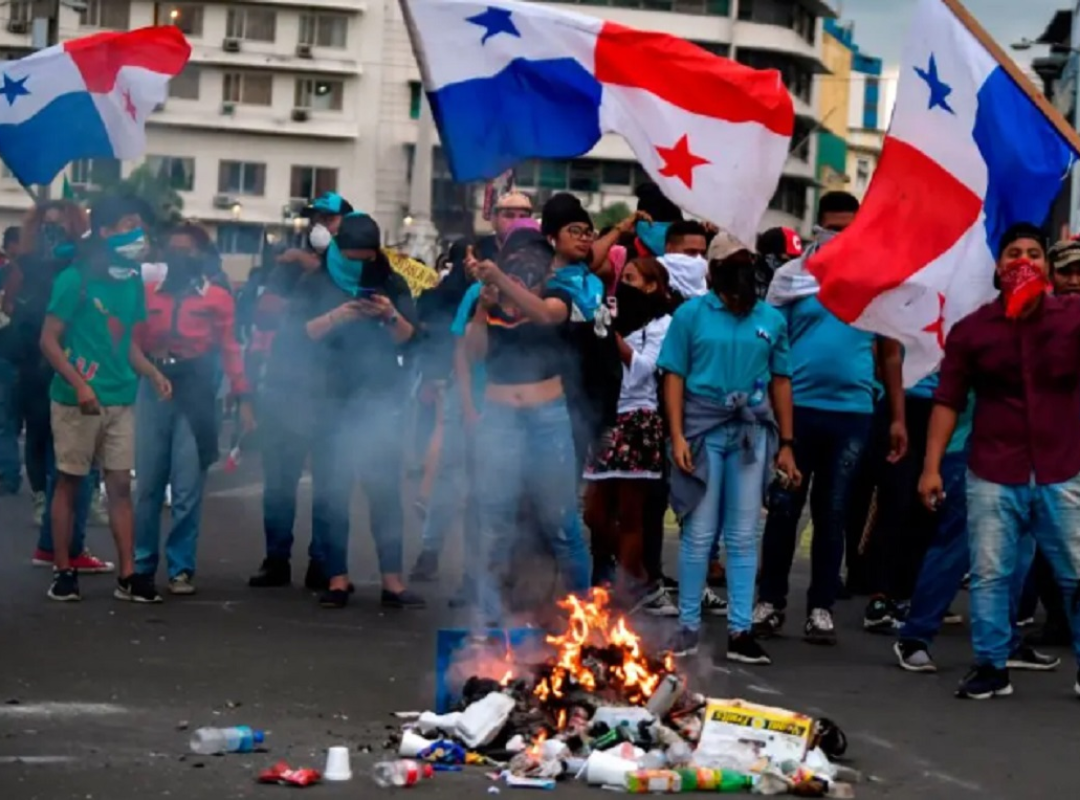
(653, 235)
(131, 246)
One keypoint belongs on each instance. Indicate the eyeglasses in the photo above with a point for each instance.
(514, 213)
(580, 232)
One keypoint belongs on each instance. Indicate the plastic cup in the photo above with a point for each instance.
(412, 744)
(606, 769)
(337, 765)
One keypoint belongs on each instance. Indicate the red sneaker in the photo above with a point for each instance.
(42, 558)
(89, 564)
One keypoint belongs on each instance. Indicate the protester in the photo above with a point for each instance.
(1020, 356)
(509, 208)
(633, 455)
(728, 398)
(657, 214)
(88, 339)
(684, 260)
(10, 419)
(777, 247)
(190, 321)
(833, 368)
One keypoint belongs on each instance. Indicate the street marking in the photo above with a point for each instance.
(944, 777)
(55, 709)
(764, 689)
(37, 759)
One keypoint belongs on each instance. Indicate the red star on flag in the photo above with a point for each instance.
(938, 326)
(679, 162)
(129, 106)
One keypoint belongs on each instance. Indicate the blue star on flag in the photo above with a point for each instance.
(939, 90)
(13, 89)
(495, 21)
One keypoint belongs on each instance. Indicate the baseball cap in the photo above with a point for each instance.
(328, 203)
(518, 200)
(1065, 254)
(724, 245)
(780, 242)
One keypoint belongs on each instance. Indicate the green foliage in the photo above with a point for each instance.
(611, 215)
(153, 188)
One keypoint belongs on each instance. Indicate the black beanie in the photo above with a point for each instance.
(561, 210)
(1021, 230)
(358, 232)
(652, 201)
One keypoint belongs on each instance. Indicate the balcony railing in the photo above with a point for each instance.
(714, 8)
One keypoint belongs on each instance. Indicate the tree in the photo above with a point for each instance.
(153, 187)
(611, 215)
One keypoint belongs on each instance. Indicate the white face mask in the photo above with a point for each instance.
(319, 237)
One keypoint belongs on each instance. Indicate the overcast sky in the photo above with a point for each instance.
(878, 22)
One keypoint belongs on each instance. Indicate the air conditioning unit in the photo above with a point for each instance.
(223, 201)
(303, 51)
(18, 26)
(231, 45)
(228, 109)
(300, 115)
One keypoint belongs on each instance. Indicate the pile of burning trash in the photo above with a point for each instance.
(591, 704)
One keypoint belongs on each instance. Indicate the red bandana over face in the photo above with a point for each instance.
(1021, 282)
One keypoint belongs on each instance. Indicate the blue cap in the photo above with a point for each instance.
(331, 203)
(258, 737)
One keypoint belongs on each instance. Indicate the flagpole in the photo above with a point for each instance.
(1019, 78)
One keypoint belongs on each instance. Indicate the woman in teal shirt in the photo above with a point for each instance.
(728, 398)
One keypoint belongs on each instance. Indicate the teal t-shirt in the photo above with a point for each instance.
(959, 441)
(924, 389)
(832, 363)
(718, 353)
(99, 315)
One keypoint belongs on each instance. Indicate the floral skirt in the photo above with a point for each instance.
(634, 448)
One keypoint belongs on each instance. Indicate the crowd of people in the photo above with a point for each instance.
(582, 384)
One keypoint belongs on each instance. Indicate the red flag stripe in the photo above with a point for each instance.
(101, 56)
(915, 212)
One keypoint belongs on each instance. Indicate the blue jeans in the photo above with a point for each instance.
(165, 452)
(828, 448)
(358, 440)
(731, 505)
(527, 453)
(454, 486)
(284, 447)
(10, 422)
(82, 506)
(1006, 523)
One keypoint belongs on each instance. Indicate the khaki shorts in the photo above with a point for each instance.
(81, 440)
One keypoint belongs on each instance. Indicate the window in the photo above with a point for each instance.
(307, 183)
(324, 30)
(782, 13)
(185, 86)
(862, 174)
(20, 11)
(790, 198)
(414, 100)
(616, 173)
(252, 24)
(238, 239)
(319, 95)
(585, 176)
(713, 7)
(188, 17)
(94, 173)
(114, 14)
(242, 177)
(800, 138)
(176, 172)
(248, 88)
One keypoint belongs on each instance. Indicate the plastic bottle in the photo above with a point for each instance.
(675, 781)
(400, 773)
(211, 741)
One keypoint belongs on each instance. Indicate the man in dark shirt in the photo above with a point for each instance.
(1020, 355)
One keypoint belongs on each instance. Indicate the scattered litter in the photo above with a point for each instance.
(281, 773)
(337, 764)
(215, 741)
(493, 790)
(183, 725)
(402, 773)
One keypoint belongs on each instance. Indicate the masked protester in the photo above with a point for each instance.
(620, 467)
(727, 392)
(88, 339)
(190, 321)
(1020, 356)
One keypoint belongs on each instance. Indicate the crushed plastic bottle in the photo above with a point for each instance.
(676, 781)
(213, 741)
(402, 773)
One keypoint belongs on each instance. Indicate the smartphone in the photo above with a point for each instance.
(365, 294)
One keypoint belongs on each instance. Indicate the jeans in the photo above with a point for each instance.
(10, 423)
(732, 504)
(358, 439)
(1006, 524)
(34, 412)
(829, 449)
(165, 453)
(527, 453)
(82, 507)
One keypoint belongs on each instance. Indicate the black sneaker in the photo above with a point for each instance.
(334, 598)
(767, 620)
(985, 682)
(914, 656)
(1027, 657)
(685, 643)
(273, 573)
(404, 599)
(426, 569)
(879, 617)
(137, 588)
(315, 580)
(743, 647)
(712, 603)
(819, 628)
(661, 604)
(65, 586)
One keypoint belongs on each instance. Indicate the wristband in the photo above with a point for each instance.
(788, 443)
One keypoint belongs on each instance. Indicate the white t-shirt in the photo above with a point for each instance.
(639, 377)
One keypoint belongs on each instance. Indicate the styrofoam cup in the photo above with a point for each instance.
(337, 765)
(412, 744)
(605, 769)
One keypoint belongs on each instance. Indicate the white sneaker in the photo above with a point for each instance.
(819, 627)
(661, 604)
(182, 584)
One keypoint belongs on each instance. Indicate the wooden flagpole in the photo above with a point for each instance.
(1064, 127)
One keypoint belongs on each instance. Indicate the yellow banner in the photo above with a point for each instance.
(420, 277)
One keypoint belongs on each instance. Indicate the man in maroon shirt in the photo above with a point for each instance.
(1020, 355)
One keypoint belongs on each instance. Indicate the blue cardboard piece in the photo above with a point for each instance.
(450, 642)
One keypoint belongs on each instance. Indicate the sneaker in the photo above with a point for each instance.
(1027, 657)
(426, 569)
(334, 598)
(952, 618)
(879, 616)
(404, 599)
(662, 604)
(685, 643)
(41, 558)
(273, 572)
(314, 579)
(712, 603)
(819, 628)
(901, 610)
(743, 647)
(182, 584)
(39, 508)
(137, 588)
(914, 656)
(89, 564)
(767, 620)
(984, 682)
(65, 586)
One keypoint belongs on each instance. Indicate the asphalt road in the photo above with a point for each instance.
(93, 696)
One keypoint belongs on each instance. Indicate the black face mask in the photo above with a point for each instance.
(636, 309)
(738, 282)
(184, 268)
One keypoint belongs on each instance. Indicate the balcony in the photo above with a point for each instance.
(678, 18)
(318, 63)
(257, 119)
